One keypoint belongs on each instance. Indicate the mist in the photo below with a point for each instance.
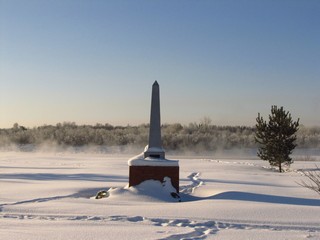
(194, 139)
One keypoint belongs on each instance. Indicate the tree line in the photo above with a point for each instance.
(197, 137)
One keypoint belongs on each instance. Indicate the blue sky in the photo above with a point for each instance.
(95, 61)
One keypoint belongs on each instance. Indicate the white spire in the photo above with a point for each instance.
(154, 148)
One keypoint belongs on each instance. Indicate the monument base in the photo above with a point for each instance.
(139, 174)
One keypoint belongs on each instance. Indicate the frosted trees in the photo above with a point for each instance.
(276, 137)
(314, 180)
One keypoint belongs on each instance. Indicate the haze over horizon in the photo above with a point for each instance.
(95, 61)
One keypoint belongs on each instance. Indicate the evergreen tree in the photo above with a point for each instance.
(277, 137)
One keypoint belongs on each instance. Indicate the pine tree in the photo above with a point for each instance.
(277, 137)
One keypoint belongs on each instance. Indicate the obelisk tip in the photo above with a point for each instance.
(156, 83)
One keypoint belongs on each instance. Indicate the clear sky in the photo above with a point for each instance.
(94, 61)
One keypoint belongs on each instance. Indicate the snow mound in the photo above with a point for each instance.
(149, 190)
(139, 160)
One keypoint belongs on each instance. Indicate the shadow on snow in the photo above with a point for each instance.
(231, 195)
(68, 177)
(254, 197)
(84, 193)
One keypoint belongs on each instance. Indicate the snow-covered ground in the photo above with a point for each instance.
(49, 196)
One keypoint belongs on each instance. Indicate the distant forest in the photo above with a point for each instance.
(194, 137)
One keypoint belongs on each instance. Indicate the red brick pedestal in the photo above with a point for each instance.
(138, 174)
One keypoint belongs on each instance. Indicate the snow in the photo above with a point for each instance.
(51, 196)
(139, 160)
(150, 190)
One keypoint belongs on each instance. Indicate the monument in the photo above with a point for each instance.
(152, 164)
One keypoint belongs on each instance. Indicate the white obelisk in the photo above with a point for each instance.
(152, 164)
(154, 149)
